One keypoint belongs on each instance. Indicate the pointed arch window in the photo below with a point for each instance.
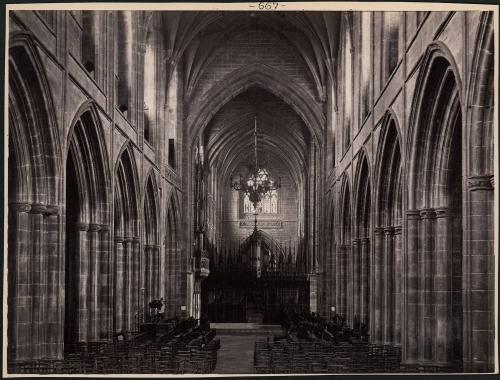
(268, 203)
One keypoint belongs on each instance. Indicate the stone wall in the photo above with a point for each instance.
(422, 229)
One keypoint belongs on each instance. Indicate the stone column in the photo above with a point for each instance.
(348, 284)
(119, 284)
(82, 288)
(19, 262)
(442, 288)
(128, 277)
(149, 272)
(479, 281)
(54, 312)
(338, 283)
(105, 327)
(411, 308)
(356, 278)
(343, 281)
(377, 334)
(38, 257)
(142, 282)
(94, 277)
(135, 289)
(155, 253)
(365, 280)
(389, 275)
(398, 275)
(332, 280)
(427, 270)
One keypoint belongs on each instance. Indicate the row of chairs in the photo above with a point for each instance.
(187, 352)
(328, 357)
(144, 361)
(324, 357)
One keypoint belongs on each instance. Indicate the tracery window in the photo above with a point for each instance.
(268, 204)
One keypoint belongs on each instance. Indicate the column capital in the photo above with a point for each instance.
(443, 212)
(365, 241)
(94, 227)
(141, 47)
(412, 214)
(389, 230)
(82, 226)
(356, 241)
(481, 182)
(427, 213)
(105, 227)
(20, 206)
(378, 230)
(38, 208)
(148, 246)
(127, 239)
(398, 230)
(51, 210)
(136, 240)
(118, 239)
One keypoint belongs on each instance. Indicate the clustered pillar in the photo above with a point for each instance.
(378, 302)
(119, 284)
(127, 289)
(429, 288)
(479, 256)
(35, 269)
(365, 281)
(92, 282)
(387, 272)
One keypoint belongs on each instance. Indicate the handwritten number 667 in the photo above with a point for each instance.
(267, 6)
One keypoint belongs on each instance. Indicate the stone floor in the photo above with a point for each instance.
(236, 353)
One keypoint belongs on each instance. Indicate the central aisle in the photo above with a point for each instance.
(236, 354)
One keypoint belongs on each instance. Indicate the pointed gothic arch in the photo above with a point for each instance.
(127, 242)
(88, 210)
(361, 241)
(434, 324)
(34, 202)
(343, 259)
(478, 236)
(151, 270)
(481, 100)
(173, 257)
(387, 235)
(267, 78)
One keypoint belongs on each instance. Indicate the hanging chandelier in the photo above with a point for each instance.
(259, 183)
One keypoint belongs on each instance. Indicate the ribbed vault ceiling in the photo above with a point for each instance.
(196, 36)
(193, 41)
(281, 135)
